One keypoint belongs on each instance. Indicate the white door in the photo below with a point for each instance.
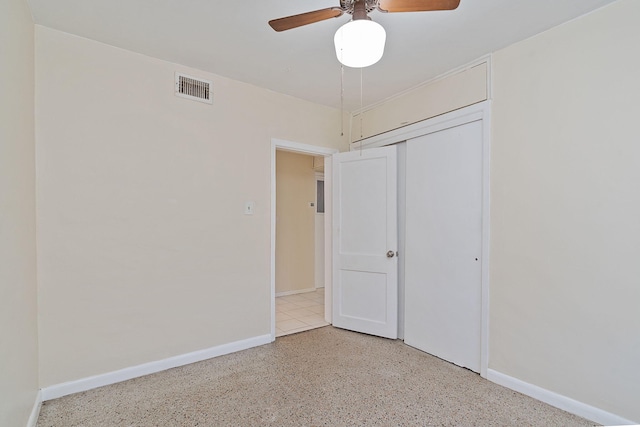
(443, 294)
(365, 272)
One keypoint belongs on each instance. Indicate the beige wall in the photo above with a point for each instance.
(565, 207)
(18, 300)
(144, 250)
(448, 93)
(295, 222)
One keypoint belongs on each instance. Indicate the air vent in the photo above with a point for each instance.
(193, 88)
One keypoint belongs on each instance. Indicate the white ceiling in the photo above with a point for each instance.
(232, 39)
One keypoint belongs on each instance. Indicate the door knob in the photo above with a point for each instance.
(390, 254)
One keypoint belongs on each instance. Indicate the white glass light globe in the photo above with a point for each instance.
(360, 43)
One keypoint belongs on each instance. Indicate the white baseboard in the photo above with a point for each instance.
(559, 401)
(299, 291)
(84, 384)
(35, 412)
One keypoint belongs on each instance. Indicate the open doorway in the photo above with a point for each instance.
(301, 294)
(299, 239)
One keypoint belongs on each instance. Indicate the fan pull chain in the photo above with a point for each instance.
(341, 100)
(361, 132)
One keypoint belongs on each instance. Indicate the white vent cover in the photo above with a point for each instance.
(194, 88)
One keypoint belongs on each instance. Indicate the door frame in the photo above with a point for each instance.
(476, 112)
(319, 177)
(312, 150)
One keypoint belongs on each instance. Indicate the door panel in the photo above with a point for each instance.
(365, 291)
(443, 293)
(363, 206)
(362, 289)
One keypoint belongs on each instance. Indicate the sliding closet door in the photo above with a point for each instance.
(444, 243)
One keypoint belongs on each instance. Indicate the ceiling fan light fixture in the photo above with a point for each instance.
(360, 43)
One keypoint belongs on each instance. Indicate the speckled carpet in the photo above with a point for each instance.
(323, 377)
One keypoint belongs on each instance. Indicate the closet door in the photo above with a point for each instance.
(443, 297)
(365, 241)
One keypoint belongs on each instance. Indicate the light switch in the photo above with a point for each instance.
(249, 207)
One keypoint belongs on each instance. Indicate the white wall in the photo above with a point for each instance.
(295, 222)
(565, 228)
(18, 301)
(144, 251)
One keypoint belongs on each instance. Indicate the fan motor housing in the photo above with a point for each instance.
(349, 5)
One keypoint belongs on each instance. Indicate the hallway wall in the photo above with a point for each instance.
(295, 222)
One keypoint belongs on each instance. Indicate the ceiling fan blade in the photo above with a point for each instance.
(416, 5)
(295, 21)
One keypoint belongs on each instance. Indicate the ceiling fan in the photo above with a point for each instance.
(360, 42)
(359, 9)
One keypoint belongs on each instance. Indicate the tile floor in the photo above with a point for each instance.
(299, 312)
